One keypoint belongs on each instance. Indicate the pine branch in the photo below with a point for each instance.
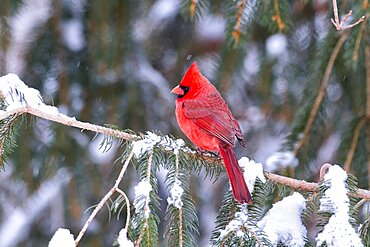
(145, 231)
(7, 131)
(50, 114)
(277, 17)
(236, 33)
(321, 94)
(192, 8)
(63, 119)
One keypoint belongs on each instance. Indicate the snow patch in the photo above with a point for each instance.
(62, 238)
(122, 239)
(211, 28)
(140, 147)
(275, 45)
(235, 225)
(72, 32)
(252, 171)
(281, 159)
(17, 94)
(338, 231)
(282, 223)
(175, 194)
(142, 199)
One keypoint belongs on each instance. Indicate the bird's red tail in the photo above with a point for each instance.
(235, 174)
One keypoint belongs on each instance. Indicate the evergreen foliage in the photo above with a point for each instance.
(315, 89)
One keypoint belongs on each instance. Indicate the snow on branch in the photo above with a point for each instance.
(252, 171)
(62, 238)
(19, 99)
(283, 223)
(338, 231)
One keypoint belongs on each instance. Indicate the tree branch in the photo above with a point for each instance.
(322, 92)
(105, 199)
(63, 119)
(309, 186)
(341, 25)
(52, 114)
(355, 139)
(69, 121)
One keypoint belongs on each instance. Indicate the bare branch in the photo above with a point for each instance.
(310, 187)
(105, 199)
(321, 94)
(341, 25)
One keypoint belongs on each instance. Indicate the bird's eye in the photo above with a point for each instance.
(186, 90)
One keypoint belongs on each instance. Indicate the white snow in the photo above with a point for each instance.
(281, 159)
(338, 231)
(62, 238)
(235, 225)
(147, 143)
(161, 13)
(16, 94)
(142, 199)
(252, 171)
(122, 239)
(211, 28)
(73, 36)
(275, 45)
(150, 140)
(282, 223)
(175, 194)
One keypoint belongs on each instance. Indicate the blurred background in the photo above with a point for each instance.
(115, 62)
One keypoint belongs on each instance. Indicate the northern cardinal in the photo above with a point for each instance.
(206, 120)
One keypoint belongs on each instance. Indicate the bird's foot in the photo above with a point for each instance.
(205, 152)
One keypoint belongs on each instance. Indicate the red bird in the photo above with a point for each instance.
(206, 120)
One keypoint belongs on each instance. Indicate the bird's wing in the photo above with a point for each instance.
(211, 114)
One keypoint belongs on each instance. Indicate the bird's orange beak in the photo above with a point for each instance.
(178, 90)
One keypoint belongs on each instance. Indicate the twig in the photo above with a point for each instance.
(238, 20)
(352, 149)
(127, 207)
(358, 42)
(105, 199)
(322, 91)
(277, 16)
(65, 120)
(309, 186)
(341, 25)
(193, 5)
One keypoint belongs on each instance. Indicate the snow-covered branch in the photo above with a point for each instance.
(19, 99)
